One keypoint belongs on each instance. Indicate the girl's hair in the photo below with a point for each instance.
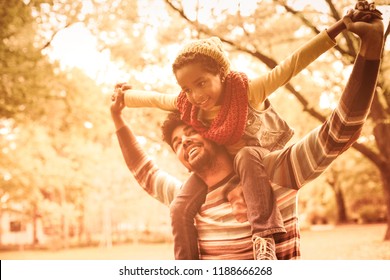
(208, 64)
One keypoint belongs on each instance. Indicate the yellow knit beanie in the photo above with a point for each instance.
(211, 47)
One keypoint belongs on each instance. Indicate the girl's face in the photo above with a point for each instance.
(203, 88)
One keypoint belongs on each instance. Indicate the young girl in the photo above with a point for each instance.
(228, 108)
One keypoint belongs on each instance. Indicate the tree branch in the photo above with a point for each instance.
(348, 40)
(351, 54)
(387, 32)
(370, 154)
(48, 43)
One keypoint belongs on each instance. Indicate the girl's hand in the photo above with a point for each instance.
(364, 29)
(118, 99)
(371, 35)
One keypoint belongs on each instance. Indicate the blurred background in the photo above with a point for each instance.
(63, 182)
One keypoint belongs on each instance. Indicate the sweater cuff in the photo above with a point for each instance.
(122, 130)
(328, 41)
(119, 129)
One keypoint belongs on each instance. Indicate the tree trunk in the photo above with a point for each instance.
(81, 222)
(380, 116)
(1, 228)
(333, 181)
(386, 188)
(341, 209)
(35, 225)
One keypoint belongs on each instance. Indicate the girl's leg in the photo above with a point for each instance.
(263, 213)
(183, 210)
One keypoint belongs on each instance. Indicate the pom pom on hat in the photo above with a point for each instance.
(211, 47)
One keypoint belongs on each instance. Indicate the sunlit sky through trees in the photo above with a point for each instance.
(77, 47)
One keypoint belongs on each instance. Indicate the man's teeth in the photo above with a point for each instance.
(192, 151)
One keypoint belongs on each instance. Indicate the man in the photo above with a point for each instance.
(221, 235)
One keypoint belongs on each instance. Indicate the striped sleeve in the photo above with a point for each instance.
(157, 183)
(308, 158)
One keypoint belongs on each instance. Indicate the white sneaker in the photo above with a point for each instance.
(264, 248)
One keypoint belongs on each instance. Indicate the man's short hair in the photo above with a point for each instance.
(172, 121)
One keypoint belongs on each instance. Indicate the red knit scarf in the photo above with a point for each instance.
(229, 124)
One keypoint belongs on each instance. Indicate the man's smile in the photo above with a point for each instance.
(191, 151)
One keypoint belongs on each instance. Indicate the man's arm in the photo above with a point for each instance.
(155, 182)
(305, 160)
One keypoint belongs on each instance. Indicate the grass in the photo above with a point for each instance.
(346, 242)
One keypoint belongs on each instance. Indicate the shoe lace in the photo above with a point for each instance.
(263, 249)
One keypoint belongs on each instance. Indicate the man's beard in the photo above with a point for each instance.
(205, 160)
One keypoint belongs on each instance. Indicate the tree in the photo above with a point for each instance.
(59, 151)
(334, 181)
